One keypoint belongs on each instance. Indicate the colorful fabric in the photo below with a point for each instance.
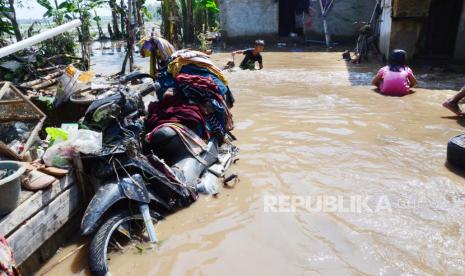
(187, 54)
(198, 82)
(176, 66)
(191, 69)
(201, 90)
(7, 262)
(177, 109)
(395, 83)
(163, 48)
(159, 50)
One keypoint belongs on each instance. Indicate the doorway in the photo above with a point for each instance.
(287, 20)
(440, 30)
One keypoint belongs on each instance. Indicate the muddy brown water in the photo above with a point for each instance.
(310, 126)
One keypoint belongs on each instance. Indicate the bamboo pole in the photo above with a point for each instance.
(41, 80)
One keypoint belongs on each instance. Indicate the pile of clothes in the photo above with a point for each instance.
(194, 93)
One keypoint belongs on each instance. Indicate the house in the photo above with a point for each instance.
(280, 18)
(427, 29)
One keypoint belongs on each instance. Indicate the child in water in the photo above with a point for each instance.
(397, 78)
(252, 55)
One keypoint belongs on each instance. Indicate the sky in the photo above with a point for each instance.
(32, 10)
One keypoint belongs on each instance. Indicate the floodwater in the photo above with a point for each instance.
(312, 129)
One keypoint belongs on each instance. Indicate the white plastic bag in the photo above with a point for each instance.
(87, 141)
(61, 154)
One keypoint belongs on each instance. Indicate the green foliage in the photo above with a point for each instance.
(209, 5)
(53, 11)
(5, 27)
(146, 12)
(72, 9)
(197, 17)
(61, 44)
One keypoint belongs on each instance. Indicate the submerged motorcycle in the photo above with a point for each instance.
(139, 182)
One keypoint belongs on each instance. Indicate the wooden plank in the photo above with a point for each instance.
(33, 205)
(14, 101)
(27, 239)
(25, 195)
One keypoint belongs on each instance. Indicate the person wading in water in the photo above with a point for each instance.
(252, 56)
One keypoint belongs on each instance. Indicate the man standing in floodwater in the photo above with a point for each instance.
(252, 55)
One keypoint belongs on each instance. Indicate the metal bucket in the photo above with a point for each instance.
(10, 186)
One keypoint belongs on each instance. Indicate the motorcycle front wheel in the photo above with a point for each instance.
(118, 233)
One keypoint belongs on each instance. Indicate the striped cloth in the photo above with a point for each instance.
(165, 49)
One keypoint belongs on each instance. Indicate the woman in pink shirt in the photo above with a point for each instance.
(397, 78)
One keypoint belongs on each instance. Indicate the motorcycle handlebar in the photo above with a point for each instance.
(153, 87)
(134, 76)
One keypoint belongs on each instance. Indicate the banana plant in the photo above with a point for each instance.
(197, 17)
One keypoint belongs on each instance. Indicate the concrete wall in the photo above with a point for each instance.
(242, 18)
(400, 33)
(404, 35)
(341, 18)
(460, 44)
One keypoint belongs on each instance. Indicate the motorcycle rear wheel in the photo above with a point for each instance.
(124, 225)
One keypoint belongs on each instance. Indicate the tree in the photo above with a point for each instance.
(114, 19)
(122, 11)
(98, 20)
(5, 26)
(198, 16)
(8, 11)
(72, 9)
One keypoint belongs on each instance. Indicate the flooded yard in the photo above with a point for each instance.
(311, 126)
